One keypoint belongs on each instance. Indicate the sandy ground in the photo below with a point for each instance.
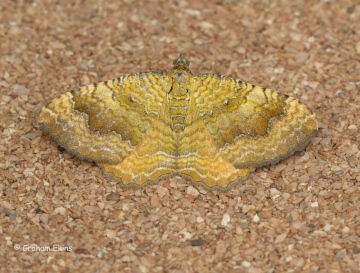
(61, 214)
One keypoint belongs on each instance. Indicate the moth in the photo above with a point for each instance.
(210, 129)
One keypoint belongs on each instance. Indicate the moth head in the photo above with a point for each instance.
(181, 61)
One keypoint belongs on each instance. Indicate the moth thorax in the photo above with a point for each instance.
(179, 98)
